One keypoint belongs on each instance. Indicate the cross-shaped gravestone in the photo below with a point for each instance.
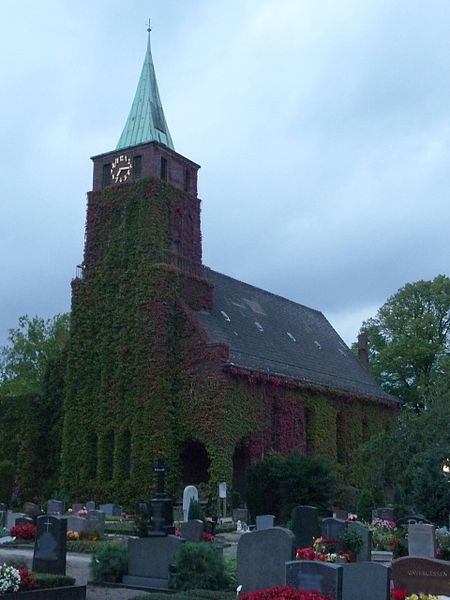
(160, 470)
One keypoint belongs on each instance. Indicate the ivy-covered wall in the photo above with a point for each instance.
(141, 381)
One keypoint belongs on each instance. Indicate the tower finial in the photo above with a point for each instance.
(149, 26)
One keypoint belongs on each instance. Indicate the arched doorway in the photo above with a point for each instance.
(195, 463)
(241, 460)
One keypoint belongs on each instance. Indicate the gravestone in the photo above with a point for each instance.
(265, 522)
(96, 522)
(90, 505)
(305, 525)
(32, 509)
(411, 520)
(55, 507)
(192, 530)
(421, 540)
(77, 524)
(366, 581)
(161, 507)
(111, 510)
(386, 514)
(261, 558)
(366, 535)
(417, 574)
(77, 507)
(11, 517)
(190, 493)
(315, 576)
(50, 545)
(3, 507)
(332, 529)
(24, 521)
(150, 560)
(3, 514)
(241, 514)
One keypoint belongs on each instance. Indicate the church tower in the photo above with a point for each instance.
(142, 270)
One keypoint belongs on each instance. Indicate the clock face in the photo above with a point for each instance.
(121, 168)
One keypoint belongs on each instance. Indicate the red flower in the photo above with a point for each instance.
(27, 579)
(283, 593)
(398, 595)
(23, 532)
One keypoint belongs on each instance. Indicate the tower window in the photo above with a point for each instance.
(163, 168)
(106, 175)
(187, 180)
(137, 167)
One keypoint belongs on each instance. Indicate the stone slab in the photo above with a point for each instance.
(417, 574)
(261, 558)
(421, 540)
(151, 557)
(305, 525)
(366, 581)
(315, 576)
(145, 582)
(265, 522)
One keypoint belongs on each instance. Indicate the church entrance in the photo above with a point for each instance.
(195, 463)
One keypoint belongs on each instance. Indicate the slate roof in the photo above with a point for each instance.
(269, 334)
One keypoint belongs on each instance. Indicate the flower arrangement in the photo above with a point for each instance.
(27, 579)
(283, 593)
(324, 550)
(207, 537)
(401, 595)
(387, 536)
(73, 535)
(24, 532)
(9, 579)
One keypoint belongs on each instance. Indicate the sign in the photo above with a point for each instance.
(223, 489)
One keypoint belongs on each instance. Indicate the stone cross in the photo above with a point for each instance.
(160, 470)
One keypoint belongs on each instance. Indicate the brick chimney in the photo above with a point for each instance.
(363, 350)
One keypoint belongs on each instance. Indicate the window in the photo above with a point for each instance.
(163, 168)
(137, 167)
(106, 175)
(187, 180)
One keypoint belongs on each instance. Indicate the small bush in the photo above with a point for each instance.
(109, 562)
(48, 580)
(85, 546)
(200, 566)
(351, 542)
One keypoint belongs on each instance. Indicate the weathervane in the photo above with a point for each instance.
(149, 26)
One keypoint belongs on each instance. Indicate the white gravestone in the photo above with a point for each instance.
(421, 540)
(190, 493)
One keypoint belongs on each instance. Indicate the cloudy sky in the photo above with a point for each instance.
(322, 128)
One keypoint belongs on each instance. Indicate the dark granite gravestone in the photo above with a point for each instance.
(416, 574)
(383, 513)
(265, 522)
(366, 581)
(112, 510)
(332, 529)
(366, 535)
(422, 540)
(315, 576)
(340, 514)
(90, 505)
(411, 520)
(261, 558)
(305, 525)
(192, 530)
(149, 561)
(50, 545)
(96, 522)
(55, 507)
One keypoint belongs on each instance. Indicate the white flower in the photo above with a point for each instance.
(9, 579)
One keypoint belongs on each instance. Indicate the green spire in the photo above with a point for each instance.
(146, 121)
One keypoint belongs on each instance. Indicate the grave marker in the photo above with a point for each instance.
(305, 525)
(366, 535)
(417, 574)
(190, 493)
(261, 558)
(50, 545)
(315, 576)
(192, 530)
(421, 540)
(366, 581)
(265, 522)
(149, 561)
(55, 507)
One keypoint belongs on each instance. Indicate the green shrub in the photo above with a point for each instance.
(109, 562)
(48, 580)
(7, 470)
(200, 566)
(278, 483)
(195, 510)
(351, 542)
(85, 546)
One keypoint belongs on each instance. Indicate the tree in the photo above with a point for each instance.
(409, 339)
(31, 347)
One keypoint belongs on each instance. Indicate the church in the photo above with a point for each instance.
(169, 359)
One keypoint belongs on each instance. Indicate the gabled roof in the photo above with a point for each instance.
(146, 121)
(268, 334)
